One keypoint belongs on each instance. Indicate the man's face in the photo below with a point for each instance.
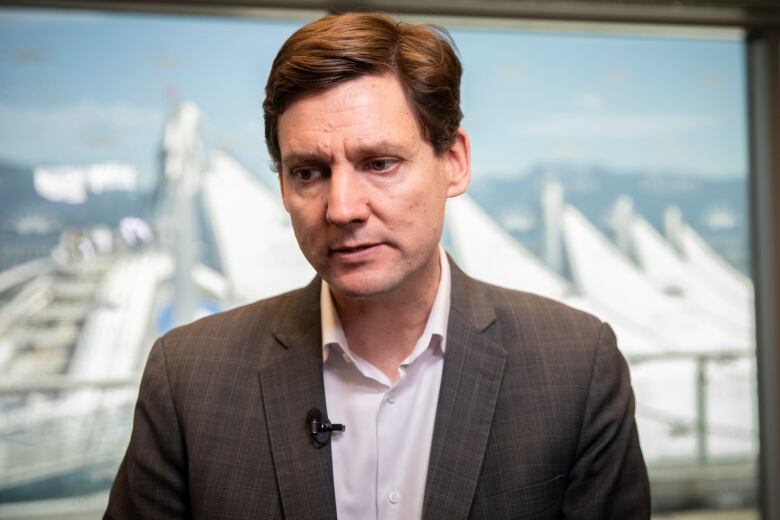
(364, 191)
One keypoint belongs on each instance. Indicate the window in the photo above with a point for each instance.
(610, 171)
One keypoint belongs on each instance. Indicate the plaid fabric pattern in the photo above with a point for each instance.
(535, 417)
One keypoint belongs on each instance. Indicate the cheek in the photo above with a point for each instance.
(424, 215)
(305, 224)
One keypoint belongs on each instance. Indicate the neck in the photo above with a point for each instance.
(384, 330)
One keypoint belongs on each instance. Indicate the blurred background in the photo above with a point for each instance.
(612, 170)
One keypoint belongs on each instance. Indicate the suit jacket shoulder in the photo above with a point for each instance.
(215, 396)
(563, 441)
(227, 333)
(525, 324)
(550, 318)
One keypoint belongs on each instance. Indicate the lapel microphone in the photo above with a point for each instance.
(321, 428)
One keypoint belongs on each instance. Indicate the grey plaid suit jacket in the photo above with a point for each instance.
(535, 418)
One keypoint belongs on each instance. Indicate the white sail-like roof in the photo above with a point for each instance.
(484, 250)
(255, 240)
(603, 273)
(679, 274)
(487, 252)
(723, 277)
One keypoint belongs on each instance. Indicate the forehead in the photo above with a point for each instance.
(353, 114)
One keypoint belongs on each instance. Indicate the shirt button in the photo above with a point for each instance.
(346, 358)
(394, 497)
(390, 398)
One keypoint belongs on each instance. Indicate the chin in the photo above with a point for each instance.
(361, 289)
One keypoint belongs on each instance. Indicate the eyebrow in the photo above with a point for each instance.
(383, 147)
(297, 158)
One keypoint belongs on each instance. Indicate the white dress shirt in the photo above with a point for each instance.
(380, 462)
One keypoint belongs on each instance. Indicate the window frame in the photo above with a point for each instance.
(760, 19)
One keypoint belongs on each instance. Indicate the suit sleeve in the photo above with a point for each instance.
(608, 479)
(152, 479)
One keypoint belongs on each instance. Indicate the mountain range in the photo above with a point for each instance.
(716, 208)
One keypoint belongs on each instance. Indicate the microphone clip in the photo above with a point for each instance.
(321, 428)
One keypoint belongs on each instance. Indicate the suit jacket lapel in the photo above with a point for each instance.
(473, 370)
(291, 381)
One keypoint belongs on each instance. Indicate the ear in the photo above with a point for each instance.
(459, 159)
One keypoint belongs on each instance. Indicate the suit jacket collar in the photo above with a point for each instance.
(473, 371)
(299, 317)
(469, 300)
(301, 311)
(292, 384)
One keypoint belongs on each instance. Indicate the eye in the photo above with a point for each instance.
(382, 165)
(307, 174)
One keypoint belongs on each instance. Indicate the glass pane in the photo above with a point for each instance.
(135, 194)
(610, 172)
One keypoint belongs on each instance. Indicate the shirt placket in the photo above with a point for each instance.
(390, 421)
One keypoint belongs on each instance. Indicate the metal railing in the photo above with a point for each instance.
(57, 426)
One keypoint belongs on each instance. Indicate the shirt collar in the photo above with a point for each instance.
(434, 333)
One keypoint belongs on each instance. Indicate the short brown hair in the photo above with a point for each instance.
(337, 48)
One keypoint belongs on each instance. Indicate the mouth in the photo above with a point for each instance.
(356, 252)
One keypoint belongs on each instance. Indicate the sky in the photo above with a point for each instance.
(78, 88)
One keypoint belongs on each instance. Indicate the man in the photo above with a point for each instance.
(460, 399)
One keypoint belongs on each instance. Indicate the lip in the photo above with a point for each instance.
(354, 253)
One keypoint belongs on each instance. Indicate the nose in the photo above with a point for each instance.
(347, 198)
